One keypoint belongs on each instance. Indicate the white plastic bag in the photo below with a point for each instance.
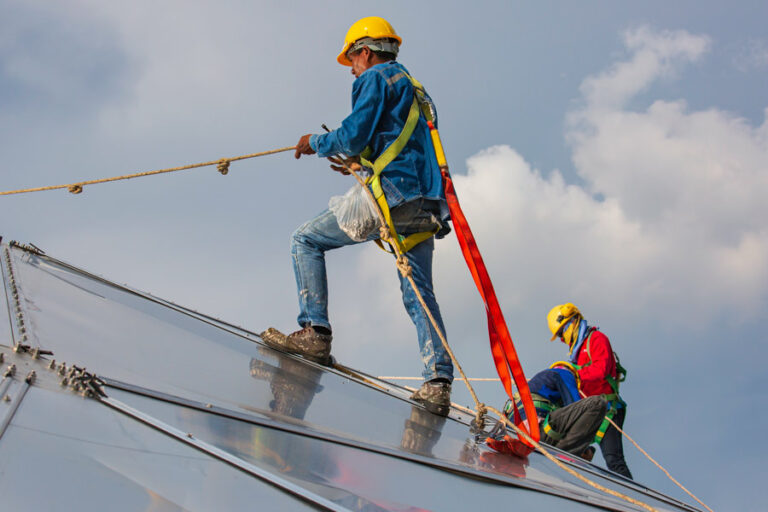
(355, 213)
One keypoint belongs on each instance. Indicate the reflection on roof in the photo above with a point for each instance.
(123, 401)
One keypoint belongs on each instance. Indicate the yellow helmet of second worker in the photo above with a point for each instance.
(373, 27)
(560, 315)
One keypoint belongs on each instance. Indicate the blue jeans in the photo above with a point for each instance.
(308, 246)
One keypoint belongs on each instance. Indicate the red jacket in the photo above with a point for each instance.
(593, 380)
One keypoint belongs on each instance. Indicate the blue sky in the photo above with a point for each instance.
(609, 154)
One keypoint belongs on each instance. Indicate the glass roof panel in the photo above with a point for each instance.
(62, 452)
(355, 477)
(131, 337)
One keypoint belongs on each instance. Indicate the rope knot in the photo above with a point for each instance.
(384, 233)
(75, 189)
(403, 266)
(223, 166)
(482, 410)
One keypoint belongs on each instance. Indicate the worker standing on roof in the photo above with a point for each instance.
(384, 107)
(599, 372)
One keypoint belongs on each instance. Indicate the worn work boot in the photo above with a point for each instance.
(435, 396)
(588, 453)
(306, 342)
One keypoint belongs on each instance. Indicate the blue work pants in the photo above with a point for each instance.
(309, 245)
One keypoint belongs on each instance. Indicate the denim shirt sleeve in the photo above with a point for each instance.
(368, 103)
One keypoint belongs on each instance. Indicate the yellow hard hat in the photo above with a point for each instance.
(373, 27)
(560, 315)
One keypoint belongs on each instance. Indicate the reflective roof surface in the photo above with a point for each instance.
(167, 409)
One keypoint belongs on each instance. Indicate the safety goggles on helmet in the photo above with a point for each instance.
(561, 331)
(387, 45)
(559, 317)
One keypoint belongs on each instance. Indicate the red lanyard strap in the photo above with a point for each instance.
(503, 350)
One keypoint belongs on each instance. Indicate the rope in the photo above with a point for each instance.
(622, 432)
(405, 269)
(551, 457)
(521, 433)
(221, 164)
(652, 459)
(657, 464)
(480, 408)
(474, 379)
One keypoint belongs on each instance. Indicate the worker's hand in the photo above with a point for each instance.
(303, 147)
(352, 163)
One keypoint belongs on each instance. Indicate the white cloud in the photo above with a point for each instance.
(694, 181)
(653, 54)
(670, 224)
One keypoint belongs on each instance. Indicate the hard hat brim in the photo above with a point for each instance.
(342, 58)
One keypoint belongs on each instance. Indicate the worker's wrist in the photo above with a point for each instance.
(313, 142)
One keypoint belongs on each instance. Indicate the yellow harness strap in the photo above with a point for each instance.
(404, 244)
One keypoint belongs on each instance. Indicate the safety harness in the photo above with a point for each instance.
(614, 400)
(542, 404)
(421, 105)
(502, 349)
(545, 406)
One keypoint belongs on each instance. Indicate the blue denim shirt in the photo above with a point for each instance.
(381, 99)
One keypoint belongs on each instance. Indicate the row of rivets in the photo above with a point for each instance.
(21, 346)
(15, 295)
